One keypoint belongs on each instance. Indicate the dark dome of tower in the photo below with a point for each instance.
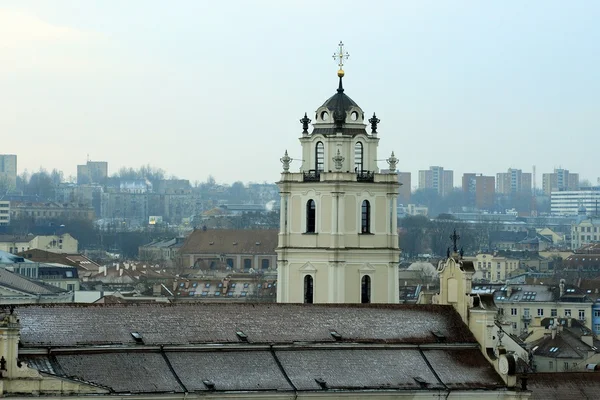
(339, 101)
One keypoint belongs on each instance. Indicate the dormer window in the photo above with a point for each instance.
(358, 157)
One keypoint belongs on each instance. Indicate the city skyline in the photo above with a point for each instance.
(197, 90)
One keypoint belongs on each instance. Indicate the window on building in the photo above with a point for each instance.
(540, 312)
(526, 312)
(550, 365)
(581, 314)
(308, 289)
(247, 263)
(358, 157)
(70, 287)
(310, 216)
(553, 312)
(501, 311)
(596, 328)
(229, 262)
(596, 313)
(567, 313)
(514, 325)
(366, 217)
(320, 157)
(264, 264)
(365, 289)
(513, 311)
(565, 366)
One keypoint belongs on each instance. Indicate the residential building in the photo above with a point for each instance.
(411, 209)
(4, 213)
(83, 263)
(51, 211)
(88, 195)
(404, 192)
(514, 181)
(585, 232)
(63, 243)
(560, 180)
(492, 267)
(8, 170)
(270, 352)
(93, 172)
(479, 190)
(161, 250)
(338, 236)
(521, 305)
(575, 202)
(229, 249)
(437, 178)
(18, 289)
(565, 344)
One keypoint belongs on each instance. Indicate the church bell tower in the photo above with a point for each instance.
(338, 240)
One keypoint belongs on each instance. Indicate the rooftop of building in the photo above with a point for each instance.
(17, 283)
(150, 348)
(231, 241)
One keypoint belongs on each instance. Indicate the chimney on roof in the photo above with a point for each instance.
(553, 329)
(118, 266)
(569, 321)
(120, 272)
(508, 291)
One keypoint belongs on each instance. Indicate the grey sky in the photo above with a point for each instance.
(199, 87)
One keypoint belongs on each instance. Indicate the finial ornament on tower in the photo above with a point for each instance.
(454, 237)
(286, 160)
(392, 161)
(339, 56)
(374, 121)
(305, 121)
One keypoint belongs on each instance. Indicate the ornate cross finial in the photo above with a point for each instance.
(374, 121)
(305, 121)
(340, 56)
(454, 237)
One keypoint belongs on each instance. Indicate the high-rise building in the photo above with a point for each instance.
(92, 172)
(437, 178)
(559, 180)
(404, 193)
(514, 181)
(8, 169)
(338, 240)
(479, 190)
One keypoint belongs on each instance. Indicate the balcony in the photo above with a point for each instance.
(526, 318)
(365, 176)
(311, 176)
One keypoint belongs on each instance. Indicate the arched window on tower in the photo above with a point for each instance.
(358, 157)
(308, 289)
(311, 211)
(319, 157)
(365, 220)
(365, 289)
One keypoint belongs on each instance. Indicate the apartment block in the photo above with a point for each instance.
(437, 178)
(514, 181)
(479, 190)
(560, 180)
(8, 169)
(92, 172)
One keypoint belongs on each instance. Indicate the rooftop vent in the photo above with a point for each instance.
(210, 385)
(422, 382)
(439, 336)
(235, 243)
(211, 243)
(242, 336)
(137, 337)
(258, 243)
(321, 382)
(336, 336)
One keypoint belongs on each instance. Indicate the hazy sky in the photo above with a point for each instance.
(199, 87)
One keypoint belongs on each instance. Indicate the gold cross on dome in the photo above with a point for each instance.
(340, 56)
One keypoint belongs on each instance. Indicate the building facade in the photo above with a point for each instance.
(338, 240)
(514, 181)
(560, 180)
(574, 202)
(437, 178)
(8, 169)
(93, 172)
(492, 267)
(479, 190)
(4, 213)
